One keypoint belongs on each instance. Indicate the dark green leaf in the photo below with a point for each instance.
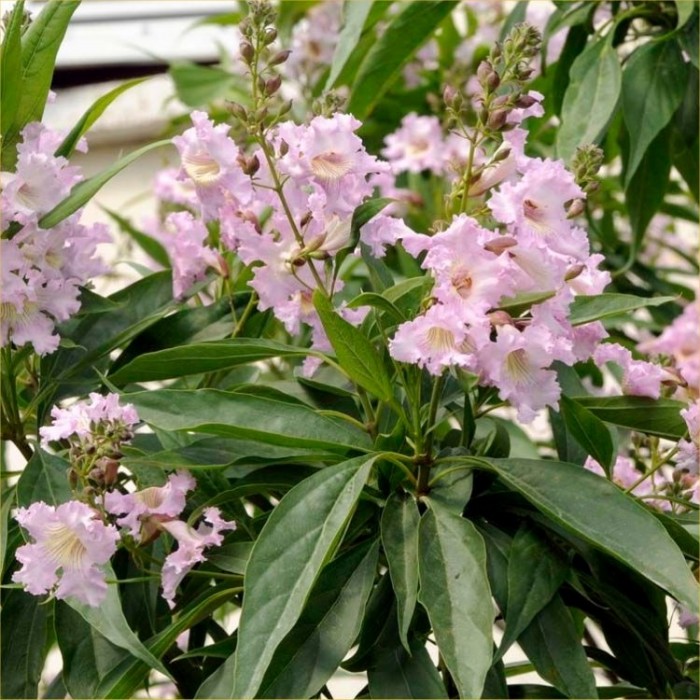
(354, 17)
(91, 115)
(596, 510)
(453, 487)
(287, 558)
(535, 573)
(327, 628)
(10, 76)
(232, 558)
(659, 417)
(354, 351)
(553, 645)
(399, 673)
(199, 358)
(362, 214)
(590, 432)
(40, 44)
(401, 39)
(585, 309)
(24, 622)
(590, 99)
(455, 592)
(84, 191)
(399, 528)
(248, 417)
(653, 85)
(45, 478)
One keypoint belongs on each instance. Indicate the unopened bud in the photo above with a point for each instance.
(500, 244)
(237, 110)
(449, 94)
(483, 71)
(261, 84)
(496, 51)
(525, 101)
(484, 115)
(574, 271)
(284, 148)
(251, 165)
(576, 208)
(285, 108)
(270, 35)
(501, 154)
(247, 51)
(501, 101)
(279, 57)
(272, 85)
(305, 219)
(500, 318)
(493, 81)
(497, 119)
(592, 187)
(261, 114)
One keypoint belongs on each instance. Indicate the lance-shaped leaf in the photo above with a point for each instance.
(327, 628)
(295, 543)
(585, 309)
(454, 589)
(356, 355)
(399, 527)
(590, 432)
(597, 511)
(45, 478)
(245, 416)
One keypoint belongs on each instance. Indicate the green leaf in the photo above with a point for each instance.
(232, 558)
(313, 650)
(40, 44)
(660, 417)
(356, 355)
(362, 214)
(11, 58)
(200, 358)
(455, 592)
(91, 115)
(245, 416)
(645, 192)
(288, 556)
(535, 573)
(590, 99)
(401, 39)
(597, 511)
(590, 432)
(377, 301)
(585, 309)
(685, 9)
(84, 191)
(522, 302)
(45, 478)
(149, 245)
(553, 645)
(399, 529)
(200, 85)
(401, 673)
(354, 17)
(108, 619)
(653, 86)
(684, 134)
(24, 621)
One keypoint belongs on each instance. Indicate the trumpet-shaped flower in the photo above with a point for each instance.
(639, 378)
(70, 544)
(190, 550)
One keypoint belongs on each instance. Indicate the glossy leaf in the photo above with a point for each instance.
(553, 645)
(399, 528)
(354, 351)
(535, 573)
(596, 510)
(199, 358)
(585, 309)
(590, 99)
(285, 563)
(84, 191)
(243, 416)
(354, 17)
(589, 431)
(401, 673)
(24, 621)
(199, 85)
(91, 115)
(11, 57)
(362, 214)
(401, 39)
(455, 592)
(653, 86)
(327, 628)
(40, 44)
(45, 478)
(659, 417)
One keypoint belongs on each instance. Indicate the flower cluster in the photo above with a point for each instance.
(42, 269)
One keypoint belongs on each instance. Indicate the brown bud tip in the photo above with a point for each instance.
(497, 119)
(279, 57)
(574, 271)
(284, 148)
(483, 71)
(272, 85)
(247, 51)
(251, 165)
(493, 81)
(576, 208)
(237, 110)
(525, 101)
(500, 244)
(305, 219)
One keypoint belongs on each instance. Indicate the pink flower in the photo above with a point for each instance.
(689, 450)
(191, 545)
(417, 145)
(70, 544)
(639, 378)
(157, 502)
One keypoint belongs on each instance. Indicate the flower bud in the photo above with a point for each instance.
(285, 108)
(500, 244)
(251, 165)
(284, 147)
(500, 318)
(525, 101)
(493, 81)
(574, 271)
(270, 35)
(449, 94)
(261, 114)
(497, 119)
(483, 72)
(247, 51)
(279, 57)
(576, 208)
(237, 110)
(272, 85)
